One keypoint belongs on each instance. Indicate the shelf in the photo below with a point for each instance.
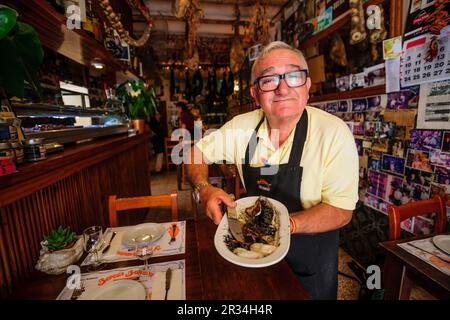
(54, 34)
(341, 21)
(363, 92)
(43, 109)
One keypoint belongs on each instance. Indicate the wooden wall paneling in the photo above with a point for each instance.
(23, 236)
(6, 268)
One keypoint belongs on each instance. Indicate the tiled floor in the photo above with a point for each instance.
(348, 288)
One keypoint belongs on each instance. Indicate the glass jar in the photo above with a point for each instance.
(18, 151)
(34, 149)
(6, 150)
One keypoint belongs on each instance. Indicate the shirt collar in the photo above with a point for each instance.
(263, 134)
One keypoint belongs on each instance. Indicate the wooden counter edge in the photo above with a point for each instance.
(34, 176)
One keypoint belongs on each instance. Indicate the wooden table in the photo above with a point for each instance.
(208, 275)
(403, 268)
(222, 280)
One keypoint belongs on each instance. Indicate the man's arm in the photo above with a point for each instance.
(212, 197)
(321, 218)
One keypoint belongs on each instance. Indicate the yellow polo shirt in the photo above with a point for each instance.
(330, 158)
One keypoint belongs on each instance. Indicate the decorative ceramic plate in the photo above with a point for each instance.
(117, 290)
(442, 242)
(153, 230)
(279, 253)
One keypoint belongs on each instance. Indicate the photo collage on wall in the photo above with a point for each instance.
(398, 164)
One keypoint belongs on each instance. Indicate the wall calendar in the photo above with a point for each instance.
(418, 66)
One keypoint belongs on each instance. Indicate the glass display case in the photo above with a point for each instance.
(69, 124)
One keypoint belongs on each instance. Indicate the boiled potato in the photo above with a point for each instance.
(241, 252)
(262, 248)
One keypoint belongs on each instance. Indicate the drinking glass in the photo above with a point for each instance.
(93, 241)
(143, 249)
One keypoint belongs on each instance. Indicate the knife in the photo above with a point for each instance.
(233, 223)
(168, 279)
(109, 244)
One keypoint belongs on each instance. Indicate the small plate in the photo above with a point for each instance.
(442, 242)
(274, 257)
(154, 230)
(117, 290)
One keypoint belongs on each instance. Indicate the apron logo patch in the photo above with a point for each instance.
(263, 184)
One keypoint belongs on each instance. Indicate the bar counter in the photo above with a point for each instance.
(70, 188)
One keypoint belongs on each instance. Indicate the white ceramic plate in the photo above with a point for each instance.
(442, 242)
(274, 257)
(117, 290)
(155, 231)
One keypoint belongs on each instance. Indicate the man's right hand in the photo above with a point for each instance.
(213, 197)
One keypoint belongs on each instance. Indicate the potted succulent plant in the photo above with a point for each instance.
(140, 101)
(21, 54)
(60, 248)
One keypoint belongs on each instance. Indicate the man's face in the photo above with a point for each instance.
(284, 103)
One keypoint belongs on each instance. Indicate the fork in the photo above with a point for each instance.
(77, 292)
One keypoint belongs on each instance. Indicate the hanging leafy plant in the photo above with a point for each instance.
(139, 101)
(21, 54)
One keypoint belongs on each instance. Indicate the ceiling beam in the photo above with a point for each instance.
(138, 19)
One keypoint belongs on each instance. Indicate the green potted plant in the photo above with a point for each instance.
(140, 102)
(21, 54)
(60, 248)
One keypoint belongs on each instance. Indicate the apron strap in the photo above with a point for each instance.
(300, 137)
(253, 142)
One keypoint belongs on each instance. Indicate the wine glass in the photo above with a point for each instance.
(93, 240)
(143, 249)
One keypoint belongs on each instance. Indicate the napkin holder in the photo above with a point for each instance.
(56, 262)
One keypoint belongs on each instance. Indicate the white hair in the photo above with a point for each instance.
(274, 46)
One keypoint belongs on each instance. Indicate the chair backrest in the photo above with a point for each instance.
(399, 213)
(120, 204)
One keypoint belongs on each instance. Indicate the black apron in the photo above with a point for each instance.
(313, 257)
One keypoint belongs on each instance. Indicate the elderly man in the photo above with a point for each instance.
(294, 153)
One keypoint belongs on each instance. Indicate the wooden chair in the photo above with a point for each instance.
(399, 213)
(396, 215)
(120, 204)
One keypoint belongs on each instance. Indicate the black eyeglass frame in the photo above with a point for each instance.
(280, 77)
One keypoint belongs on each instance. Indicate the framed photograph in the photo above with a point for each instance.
(419, 160)
(446, 142)
(380, 145)
(359, 116)
(439, 158)
(407, 224)
(400, 100)
(375, 203)
(359, 105)
(120, 49)
(425, 139)
(394, 191)
(386, 130)
(414, 176)
(343, 106)
(391, 164)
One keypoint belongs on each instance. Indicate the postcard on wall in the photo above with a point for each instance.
(357, 80)
(343, 106)
(434, 106)
(392, 48)
(414, 176)
(425, 139)
(359, 105)
(392, 164)
(446, 142)
(420, 160)
(439, 158)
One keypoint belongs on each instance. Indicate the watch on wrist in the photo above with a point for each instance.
(197, 188)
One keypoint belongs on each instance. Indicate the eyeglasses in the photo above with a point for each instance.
(293, 79)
